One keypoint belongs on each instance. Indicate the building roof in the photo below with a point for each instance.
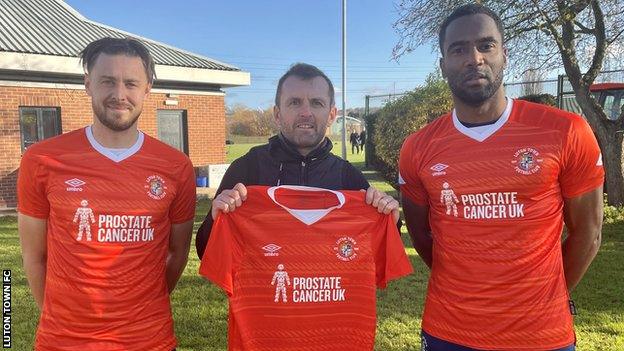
(52, 27)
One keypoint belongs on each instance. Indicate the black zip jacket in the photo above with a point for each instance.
(279, 163)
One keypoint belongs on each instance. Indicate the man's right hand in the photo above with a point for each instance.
(229, 200)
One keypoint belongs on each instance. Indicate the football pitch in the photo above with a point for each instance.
(200, 308)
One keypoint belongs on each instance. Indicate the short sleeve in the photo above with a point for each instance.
(582, 168)
(31, 187)
(222, 254)
(183, 206)
(410, 183)
(391, 261)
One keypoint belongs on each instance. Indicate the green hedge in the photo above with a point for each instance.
(402, 117)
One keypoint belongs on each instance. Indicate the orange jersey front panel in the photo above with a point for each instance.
(107, 239)
(303, 279)
(495, 209)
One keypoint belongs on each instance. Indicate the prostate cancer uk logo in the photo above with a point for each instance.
(156, 188)
(526, 161)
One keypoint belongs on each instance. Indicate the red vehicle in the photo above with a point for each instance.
(610, 96)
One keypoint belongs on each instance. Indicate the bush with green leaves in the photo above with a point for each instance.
(404, 116)
(612, 214)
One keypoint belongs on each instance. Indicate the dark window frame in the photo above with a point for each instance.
(183, 123)
(39, 110)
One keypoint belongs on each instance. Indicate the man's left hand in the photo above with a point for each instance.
(383, 202)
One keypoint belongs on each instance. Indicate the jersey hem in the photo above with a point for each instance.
(498, 347)
(584, 190)
(32, 214)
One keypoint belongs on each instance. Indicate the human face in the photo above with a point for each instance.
(474, 59)
(304, 112)
(118, 86)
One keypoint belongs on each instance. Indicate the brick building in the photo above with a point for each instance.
(42, 92)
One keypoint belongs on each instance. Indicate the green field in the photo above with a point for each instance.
(200, 308)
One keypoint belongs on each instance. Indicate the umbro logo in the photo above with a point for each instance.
(438, 169)
(271, 250)
(74, 184)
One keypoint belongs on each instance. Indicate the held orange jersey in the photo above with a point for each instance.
(300, 266)
(109, 221)
(495, 198)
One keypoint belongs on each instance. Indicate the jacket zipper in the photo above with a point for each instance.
(302, 177)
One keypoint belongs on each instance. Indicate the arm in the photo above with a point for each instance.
(417, 220)
(179, 244)
(583, 218)
(32, 233)
(236, 173)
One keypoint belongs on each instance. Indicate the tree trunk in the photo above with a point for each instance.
(612, 157)
(611, 141)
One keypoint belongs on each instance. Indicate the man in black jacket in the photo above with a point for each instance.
(299, 155)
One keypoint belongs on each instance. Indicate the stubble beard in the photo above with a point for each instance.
(113, 123)
(475, 97)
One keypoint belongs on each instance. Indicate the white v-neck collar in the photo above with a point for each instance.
(487, 131)
(105, 152)
(308, 217)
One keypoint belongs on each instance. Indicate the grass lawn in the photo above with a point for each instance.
(200, 308)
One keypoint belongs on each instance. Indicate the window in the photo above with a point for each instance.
(39, 123)
(172, 128)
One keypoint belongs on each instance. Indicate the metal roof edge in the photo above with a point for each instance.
(83, 18)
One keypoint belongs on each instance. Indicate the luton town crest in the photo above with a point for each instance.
(156, 188)
(526, 161)
(346, 248)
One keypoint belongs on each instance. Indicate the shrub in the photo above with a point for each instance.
(402, 117)
(612, 214)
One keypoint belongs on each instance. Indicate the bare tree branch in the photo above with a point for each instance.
(601, 44)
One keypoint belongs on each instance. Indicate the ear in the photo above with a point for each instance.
(148, 88)
(505, 56)
(87, 83)
(441, 63)
(333, 111)
(276, 115)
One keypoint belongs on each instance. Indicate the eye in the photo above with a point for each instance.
(486, 47)
(456, 50)
(317, 103)
(294, 102)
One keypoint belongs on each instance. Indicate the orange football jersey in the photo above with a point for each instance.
(109, 221)
(495, 197)
(300, 266)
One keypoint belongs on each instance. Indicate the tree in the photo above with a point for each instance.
(576, 35)
(245, 121)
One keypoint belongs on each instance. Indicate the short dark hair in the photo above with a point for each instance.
(118, 46)
(467, 10)
(305, 72)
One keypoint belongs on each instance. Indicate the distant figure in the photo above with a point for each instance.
(362, 139)
(355, 142)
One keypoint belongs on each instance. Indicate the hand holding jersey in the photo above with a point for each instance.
(228, 200)
(300, 266)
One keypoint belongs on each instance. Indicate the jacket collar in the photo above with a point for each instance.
(284, 151)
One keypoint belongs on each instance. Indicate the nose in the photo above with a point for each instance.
(475, 57)
(119, 92)
(305, 109)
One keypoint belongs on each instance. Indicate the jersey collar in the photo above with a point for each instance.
(308, 217)
(106, 153)
(481, 133)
